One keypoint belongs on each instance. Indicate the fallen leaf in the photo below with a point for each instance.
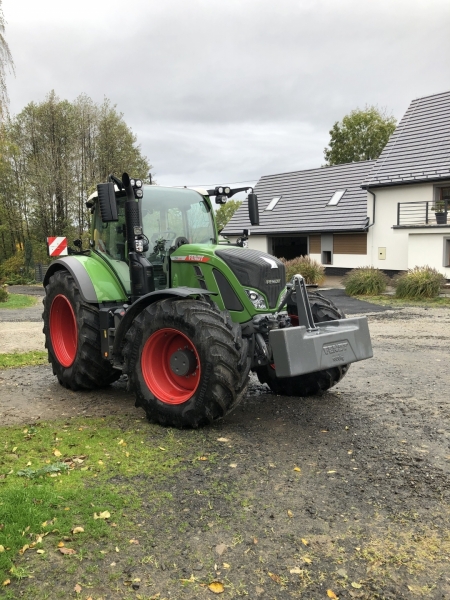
(290, 514)
(297, 469)
(61, 545)
(331, 594)
(220, 549)
(100, 462)
(216, 587)
(79, 461)
(233, 465)
(24, 548)
(117, 549)
(134, 542)
(305, 542)
(226, 565)
(40, 551)
(307, 560)
(122, 443)
(56, 452)
(2, 548)
(203, 458)
(67, 550)
(296, 571)
(342, 573)
(161, 448)
(77, 588)
(78, 530)
(356, 585)
(275, 577)
(29, 463)
(103, 515)
(7, 582)
(14, 449)
(331, 472)
(223, 439)
(255, 540)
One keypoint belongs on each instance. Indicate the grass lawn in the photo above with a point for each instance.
(66, 491)
(24, 359)
(386, 300)
(19, 301)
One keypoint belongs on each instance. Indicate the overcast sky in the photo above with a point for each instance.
(226, 91)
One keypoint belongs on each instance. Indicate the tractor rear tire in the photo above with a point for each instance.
(310, 384)
(72, 336)
(195, 336)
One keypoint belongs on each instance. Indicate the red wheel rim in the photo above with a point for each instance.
(63, 330)
(166, 385)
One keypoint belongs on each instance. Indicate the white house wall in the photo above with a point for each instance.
(428, 249)
(258, 242)
(401, 246)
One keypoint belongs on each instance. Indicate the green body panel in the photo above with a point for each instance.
(105, 281)
(183, 273)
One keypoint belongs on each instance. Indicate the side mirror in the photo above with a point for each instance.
(253, 210)
(107, 202)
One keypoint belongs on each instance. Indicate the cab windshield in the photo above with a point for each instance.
(170, 213)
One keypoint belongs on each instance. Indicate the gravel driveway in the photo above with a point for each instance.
(369, 505)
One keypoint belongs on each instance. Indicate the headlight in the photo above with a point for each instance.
(256, 299)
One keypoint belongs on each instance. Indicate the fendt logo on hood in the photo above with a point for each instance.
(272, 281)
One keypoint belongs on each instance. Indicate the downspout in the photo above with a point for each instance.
(373, 217)
(374, 201)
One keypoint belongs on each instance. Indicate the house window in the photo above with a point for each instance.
(273, 203)
(442, 198)
(335, 198)
(446, 252)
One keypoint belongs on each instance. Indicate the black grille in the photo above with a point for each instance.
(256, 270)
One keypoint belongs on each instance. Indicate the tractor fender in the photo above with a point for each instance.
(78, 272)
(144, 301)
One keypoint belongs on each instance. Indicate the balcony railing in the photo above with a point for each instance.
(422, 213)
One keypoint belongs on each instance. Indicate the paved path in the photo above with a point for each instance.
(352, 306)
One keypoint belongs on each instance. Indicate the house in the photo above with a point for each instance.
(383, 213)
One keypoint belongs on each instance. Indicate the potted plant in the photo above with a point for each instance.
(440, 212)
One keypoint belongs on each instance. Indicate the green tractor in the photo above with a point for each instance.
(158, 299)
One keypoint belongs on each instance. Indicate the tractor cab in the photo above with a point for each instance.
(170, 217)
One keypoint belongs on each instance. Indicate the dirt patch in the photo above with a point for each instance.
(303, 496)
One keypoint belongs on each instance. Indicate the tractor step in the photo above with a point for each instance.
(300, 350)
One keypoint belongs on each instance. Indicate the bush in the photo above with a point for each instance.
(3, 294)
(14, 272)
(365, 281)
(311, 270)
(420, 282)
(13, 266)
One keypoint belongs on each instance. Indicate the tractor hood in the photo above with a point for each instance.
(256, 270)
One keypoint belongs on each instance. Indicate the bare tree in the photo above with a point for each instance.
(6, 63)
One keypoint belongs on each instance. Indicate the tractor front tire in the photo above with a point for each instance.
(310, 384)
(185, 360)
(72, 336)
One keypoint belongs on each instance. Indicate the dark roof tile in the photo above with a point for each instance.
(304, 198)
(419, 149)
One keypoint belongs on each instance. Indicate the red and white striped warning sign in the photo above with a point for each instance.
(57, 246)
